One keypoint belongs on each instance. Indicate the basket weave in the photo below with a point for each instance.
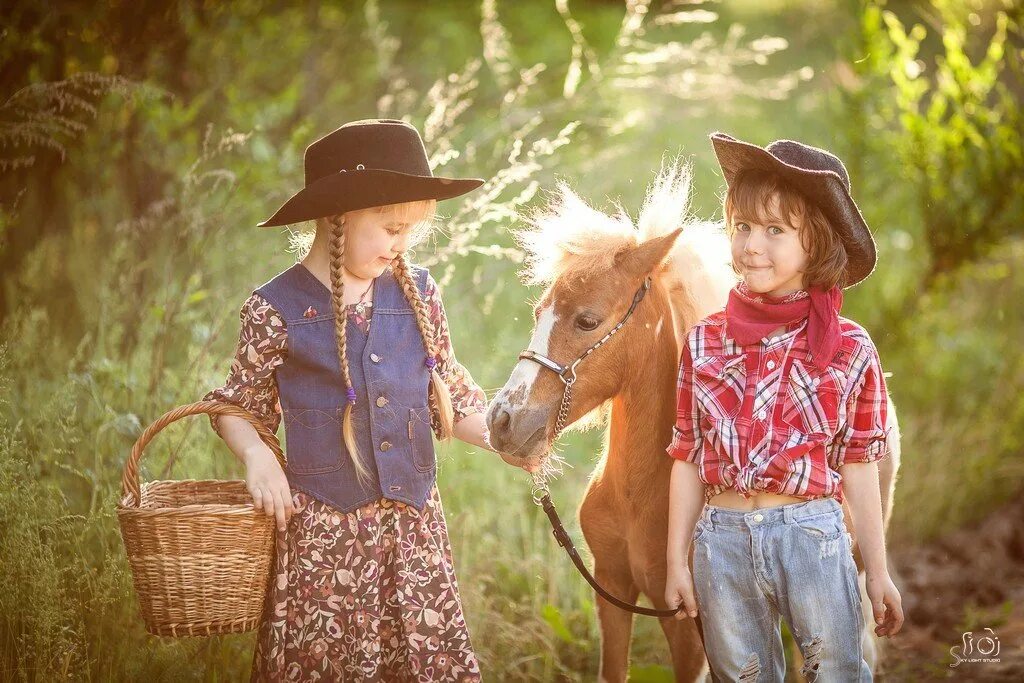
(200, 553)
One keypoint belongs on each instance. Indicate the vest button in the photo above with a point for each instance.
(385, 445)
(375, 358)
(381, 401)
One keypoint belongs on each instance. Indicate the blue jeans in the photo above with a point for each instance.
(793, 560)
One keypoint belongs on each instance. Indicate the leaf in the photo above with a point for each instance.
(553, 617)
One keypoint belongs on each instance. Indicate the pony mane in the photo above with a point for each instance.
(567, 234)
(569, 237)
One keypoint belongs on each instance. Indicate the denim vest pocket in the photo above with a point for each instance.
(421, 435)
(313, 439)
(720, 382)
(813, 399)
(822, 527)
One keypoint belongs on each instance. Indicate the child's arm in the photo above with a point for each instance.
(251, 385)
(860, 445)
(686, 492)
(686, 500)
(469, 402)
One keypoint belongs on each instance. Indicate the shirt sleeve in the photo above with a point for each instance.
(251, 383)
(467, 396)
(687, 442)
(863, 437)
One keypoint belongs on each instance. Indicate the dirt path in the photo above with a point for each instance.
(968, 581)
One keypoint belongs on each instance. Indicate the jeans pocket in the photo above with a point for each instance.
(700, 529)
(821, 527)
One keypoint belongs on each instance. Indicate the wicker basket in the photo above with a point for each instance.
(200, 553)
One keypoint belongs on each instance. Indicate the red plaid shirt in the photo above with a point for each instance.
(763, 418)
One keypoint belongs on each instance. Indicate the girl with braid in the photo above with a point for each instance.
(350, 348)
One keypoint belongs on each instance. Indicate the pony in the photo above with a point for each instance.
(593, 267)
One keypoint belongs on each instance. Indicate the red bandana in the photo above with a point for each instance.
(749, 317)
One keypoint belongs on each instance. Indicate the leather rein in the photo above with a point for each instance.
(541, 494)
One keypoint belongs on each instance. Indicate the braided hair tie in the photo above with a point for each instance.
(430, 362)
(351, 394)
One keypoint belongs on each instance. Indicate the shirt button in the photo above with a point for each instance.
(816, 381)
(375, 358)
(770, 364)
(761, 415)
(394, 487)
(381, 401)
(385, 445)
(758, 517)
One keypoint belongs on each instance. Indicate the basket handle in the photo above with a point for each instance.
(130, 476)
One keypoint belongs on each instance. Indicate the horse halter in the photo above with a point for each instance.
(567, 373)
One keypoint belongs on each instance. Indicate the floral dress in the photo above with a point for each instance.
(367, 595)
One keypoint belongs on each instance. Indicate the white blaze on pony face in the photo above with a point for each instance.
(521, 381)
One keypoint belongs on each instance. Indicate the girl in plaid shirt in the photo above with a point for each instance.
(782, 410)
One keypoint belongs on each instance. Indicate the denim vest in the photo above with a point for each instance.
(391, 418)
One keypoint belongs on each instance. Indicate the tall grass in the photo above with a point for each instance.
(148, 320)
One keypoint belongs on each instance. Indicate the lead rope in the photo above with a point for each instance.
(541, 495)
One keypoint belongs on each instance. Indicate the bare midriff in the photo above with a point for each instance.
(733, 500)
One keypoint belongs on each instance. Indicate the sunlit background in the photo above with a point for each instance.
(142, 142)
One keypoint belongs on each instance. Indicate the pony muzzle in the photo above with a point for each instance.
(520, 432)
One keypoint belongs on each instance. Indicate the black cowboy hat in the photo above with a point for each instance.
(817, 174)
(373, 162)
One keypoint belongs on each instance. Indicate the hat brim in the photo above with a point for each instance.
(363, 189)
(825, 188)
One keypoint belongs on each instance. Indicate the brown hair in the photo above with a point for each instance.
(750, 196)
(400, 267)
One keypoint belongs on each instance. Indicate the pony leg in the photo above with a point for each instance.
(616, 625)
(688, 660)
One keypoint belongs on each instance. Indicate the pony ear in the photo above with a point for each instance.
(641, 261)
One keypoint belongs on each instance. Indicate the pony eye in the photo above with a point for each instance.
(587, 323)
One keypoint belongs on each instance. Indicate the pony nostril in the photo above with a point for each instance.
(502, 420)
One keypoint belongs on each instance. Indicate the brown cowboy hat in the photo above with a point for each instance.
(818, 175)
(373, 162)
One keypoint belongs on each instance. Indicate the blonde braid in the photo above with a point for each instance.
(442, 397)
(337, 261)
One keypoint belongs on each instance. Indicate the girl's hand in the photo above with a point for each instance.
(268, 485)
(885, 603)
(679, 591)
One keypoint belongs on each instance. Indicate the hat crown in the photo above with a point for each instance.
(382, 144)
(809, 158)
(819, 176)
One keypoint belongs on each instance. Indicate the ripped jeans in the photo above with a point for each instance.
(793, 560)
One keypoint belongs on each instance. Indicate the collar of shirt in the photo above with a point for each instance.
(792, 330)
